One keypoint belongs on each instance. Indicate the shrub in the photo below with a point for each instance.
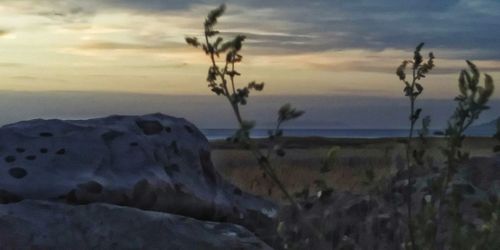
(439, 223)
(413, 89)
(222, 81)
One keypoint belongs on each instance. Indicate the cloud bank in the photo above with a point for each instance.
(310, 26)
(303, 47)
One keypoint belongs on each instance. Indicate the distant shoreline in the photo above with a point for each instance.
(322, 142)
(222, 134)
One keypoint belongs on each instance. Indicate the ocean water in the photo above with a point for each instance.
(220, 134)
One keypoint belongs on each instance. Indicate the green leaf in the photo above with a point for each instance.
(475, 75)
(416, 115)
(217, 42)
(238, 42)
(240, 97)
(212, 74)
(287, 113)
(329, 162)
(462, 85)
(419, 47)
(484, 93)
(400, 71)
(233, 57)
(217, 90)
(489, 87)
(417, 58)
(407, 90)
(256, 86)
(214, 15)
(193, 41)
(419, 87)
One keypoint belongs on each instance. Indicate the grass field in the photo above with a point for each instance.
(305, 157)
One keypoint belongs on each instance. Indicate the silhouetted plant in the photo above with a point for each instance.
(424, 228)
(412, 90)
(329, 161)
(439, 210)
(440, 223)
(471, 102)
(222, 81)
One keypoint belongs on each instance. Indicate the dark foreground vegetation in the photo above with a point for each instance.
(430, 199)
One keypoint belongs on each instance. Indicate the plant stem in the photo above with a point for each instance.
(409, 190)
(452, 161)
(270, 146)
(264, 164)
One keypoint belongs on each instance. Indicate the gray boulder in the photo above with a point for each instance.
(153, 162)
(49, 225)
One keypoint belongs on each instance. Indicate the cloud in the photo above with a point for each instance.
(67, 13)
(317, 26)
(57, 10)
(151, 5)
(31, 78)
(378, 25)
(105, 45)
(296, 27)
(10, 65)
(323, 24)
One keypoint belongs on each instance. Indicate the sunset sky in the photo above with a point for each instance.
(328, 47)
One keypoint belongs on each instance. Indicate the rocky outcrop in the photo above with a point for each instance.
(152, 162)
(48, 225)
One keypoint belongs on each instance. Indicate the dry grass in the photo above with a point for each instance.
(305, 157)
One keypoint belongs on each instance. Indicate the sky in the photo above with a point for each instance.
(341, 49)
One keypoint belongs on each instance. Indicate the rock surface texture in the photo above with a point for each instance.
(45, 225)
(152, 162)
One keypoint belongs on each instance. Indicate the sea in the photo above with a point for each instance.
(221, 134)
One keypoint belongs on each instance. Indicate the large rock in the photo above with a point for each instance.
(48, 225)
(153, 162)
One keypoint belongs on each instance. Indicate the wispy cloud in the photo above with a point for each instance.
(309, 26)
(10, 65)
(104, 45)
(303, 44)
(68, 15)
